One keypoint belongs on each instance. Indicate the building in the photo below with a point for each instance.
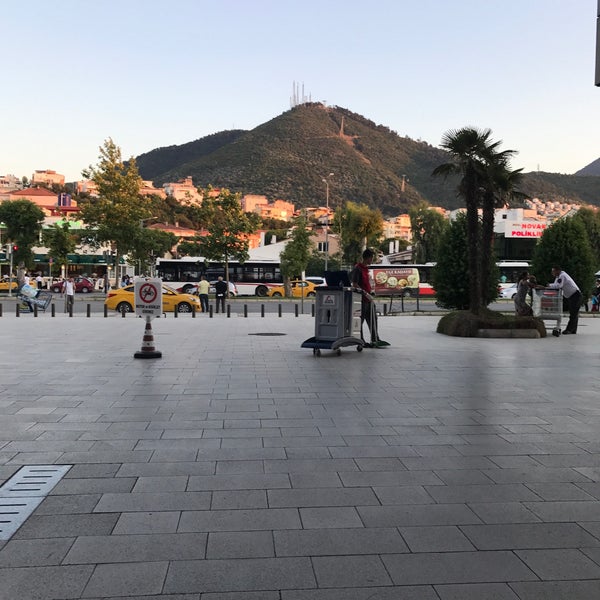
(183, 190)
(278, 209)
(398, 228)
(47, 177)
(51, 203)
(9, 183)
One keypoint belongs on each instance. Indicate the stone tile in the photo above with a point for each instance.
(354, 571)
(449, 494)
(97, 485)
(126, 579)
(338, 542)
(315, 480)
(557, 590)
(147, 522)
(239, 499)
(158, 501)
(175, 483)
(557, 492)
(234, 575)
(565, 511)
(321, 497)
(366, 593)
(56, 505)
(240, 520)
(240, 544)
(250, 481)
(335, 517)
(504, 512)
(402, 494)
(49, 583)
(436, 539)
(69, 525)
(559, 564)
(456, 567)
(38, 553)
(476, 591)
(413, 515)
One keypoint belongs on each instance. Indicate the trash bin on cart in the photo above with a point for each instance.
(547, 305)
(337, 320)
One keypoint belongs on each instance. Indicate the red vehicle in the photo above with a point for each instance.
(82, 284)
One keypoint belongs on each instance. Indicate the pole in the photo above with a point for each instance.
(326, 181)
(10, 277)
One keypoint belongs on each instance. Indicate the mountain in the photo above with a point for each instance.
(288, 157)
(592, 169)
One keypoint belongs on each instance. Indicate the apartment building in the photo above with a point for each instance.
(47, 177)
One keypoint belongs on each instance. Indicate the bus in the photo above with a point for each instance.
(510, 271)
(251, 278)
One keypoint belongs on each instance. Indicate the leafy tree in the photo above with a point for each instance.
(116, 214)
(451, 276)
(566, 245)
(60, 242)
(149, 244)
(590, 219)
(296, 254)
(428, 227)
(22, 221)
(484, 179)
(358, 227)
(227, 225)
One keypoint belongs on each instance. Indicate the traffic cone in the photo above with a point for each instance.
(148, 350)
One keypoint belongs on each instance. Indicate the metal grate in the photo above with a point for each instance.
(23, 493)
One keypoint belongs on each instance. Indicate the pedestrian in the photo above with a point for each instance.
(361, 282)
(106, 283)
(203, 289)
(571, 292)
(522, 308)
(596, 297)
(39, 281)
(220, 293)
(69, 293)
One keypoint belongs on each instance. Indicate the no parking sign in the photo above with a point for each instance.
(148, 297)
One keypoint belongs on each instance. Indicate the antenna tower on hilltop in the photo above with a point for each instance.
(296, 98)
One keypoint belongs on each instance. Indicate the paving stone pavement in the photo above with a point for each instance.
(241, 467)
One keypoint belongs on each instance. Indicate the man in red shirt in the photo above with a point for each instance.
(368, 313)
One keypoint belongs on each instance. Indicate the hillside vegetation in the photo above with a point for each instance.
(288, 156)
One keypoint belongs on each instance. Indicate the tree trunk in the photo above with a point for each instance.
(487, 241)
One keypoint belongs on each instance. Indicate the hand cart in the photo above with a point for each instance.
(41, 300)
(547, 305)
(337, 320)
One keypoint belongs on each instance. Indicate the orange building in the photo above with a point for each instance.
(47, 177)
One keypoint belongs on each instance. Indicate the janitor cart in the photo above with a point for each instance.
(337, 320)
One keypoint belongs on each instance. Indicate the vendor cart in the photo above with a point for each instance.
(337, 320)
(29, 298)
(547, 305)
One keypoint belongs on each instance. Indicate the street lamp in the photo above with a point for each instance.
(326, 182)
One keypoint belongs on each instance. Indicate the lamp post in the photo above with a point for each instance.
(326, 182)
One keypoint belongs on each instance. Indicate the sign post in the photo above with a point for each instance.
(148, 304)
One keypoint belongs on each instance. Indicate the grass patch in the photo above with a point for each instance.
(463, 323)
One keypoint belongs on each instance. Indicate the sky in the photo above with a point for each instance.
(151, 73)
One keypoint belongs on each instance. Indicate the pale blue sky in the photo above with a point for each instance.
(152, 73)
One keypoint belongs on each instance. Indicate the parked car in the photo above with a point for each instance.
(509, 292)
(299, 289)
(82, 284)
(122, 299)
(4, 286)
(316, 280)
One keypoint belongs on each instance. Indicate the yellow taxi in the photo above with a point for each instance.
(122, 299)
(299, 289)
(4, 285)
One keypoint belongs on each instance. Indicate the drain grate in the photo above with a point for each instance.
(23, 493)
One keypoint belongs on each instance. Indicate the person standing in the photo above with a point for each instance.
(522, 308)
(360, 281)
(221, 293)
(39, 281)
(571, 292)
(203, 289)
(69, 292)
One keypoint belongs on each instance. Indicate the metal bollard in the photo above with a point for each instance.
(279, 309)
(262, 310)
(384, 310)
(210, 311)
(105, 311)
(245, 311)
(175, 315)
(53, 310)
(296, 309)
(0, 309)
(17, 309)
(123, 311)
(70, 310)
(193, 312)
(229, 311)
(312, 309)
(35, 310)
(88, 313)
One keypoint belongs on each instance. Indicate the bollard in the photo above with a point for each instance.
(53, 310)
(194, 311)
(296, 309)
(175, 315)
(210, 311)
(384, 310)
(279, 309)
(35, 310)
(229, 311)
(89, 311)
(105, 311)
(123, 311)
(0, 309)
(262, 310)
(17, 310)
(70, 310)
(245, 311)
(312, 309)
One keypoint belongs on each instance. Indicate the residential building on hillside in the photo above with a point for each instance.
(51, 203)
(278, 209)
(9, 183)
(87, 186)
(398, 228)
(184, 189)
(148, 189)
(47, 177)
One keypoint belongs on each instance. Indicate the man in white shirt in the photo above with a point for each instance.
(563, 281)
(69, 292)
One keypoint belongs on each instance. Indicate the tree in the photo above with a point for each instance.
(60, 242)
(149, 244)
(115, 215)
(22, 222)
(451, 276)
(296, 254)
(565, 244)
(228, 227)
(428, 227)
(590, 219)
(358, 227)
(482, 170)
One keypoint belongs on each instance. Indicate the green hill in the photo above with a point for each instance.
(288, 156)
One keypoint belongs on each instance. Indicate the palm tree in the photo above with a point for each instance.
(468, 148)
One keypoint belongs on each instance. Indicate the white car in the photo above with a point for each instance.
(316, 280)
(509, 292)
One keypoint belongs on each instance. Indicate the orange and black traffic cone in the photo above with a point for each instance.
(148, 350)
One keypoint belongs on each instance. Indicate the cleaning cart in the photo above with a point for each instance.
(337, 320)
(547, 305)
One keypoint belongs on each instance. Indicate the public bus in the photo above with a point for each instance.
(252, 278)
(510, 271)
